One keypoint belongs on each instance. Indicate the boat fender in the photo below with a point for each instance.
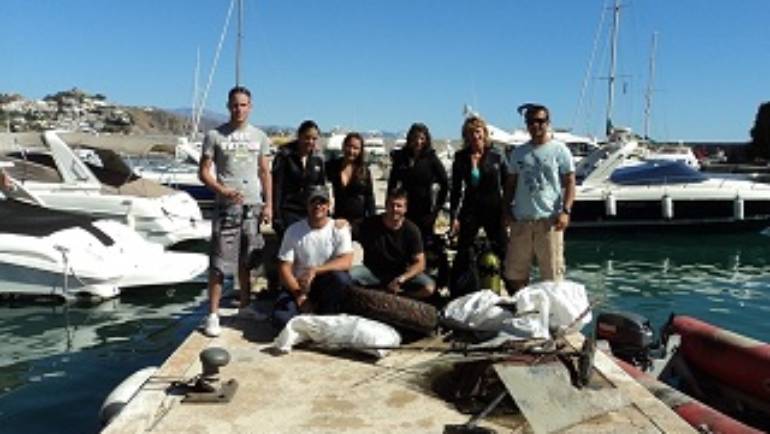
(667, 207)
(738, 208)
(123, 393)
(610, 205)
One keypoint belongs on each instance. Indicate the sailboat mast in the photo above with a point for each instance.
(194, 116)
(613, 65)
(650, 84)
(238, 44)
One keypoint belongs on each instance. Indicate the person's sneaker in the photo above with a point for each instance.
(211, 326)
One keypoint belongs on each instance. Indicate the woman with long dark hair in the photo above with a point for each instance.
(417, 169)
(351, 182)
(297, 167)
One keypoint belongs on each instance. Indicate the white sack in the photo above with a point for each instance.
(478, 311)
(568, 300)
(552, 305)
(346, 331)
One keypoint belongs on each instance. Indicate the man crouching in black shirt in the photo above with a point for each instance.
(393, 252)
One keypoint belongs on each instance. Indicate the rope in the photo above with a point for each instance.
(589, 68)
(214, 65)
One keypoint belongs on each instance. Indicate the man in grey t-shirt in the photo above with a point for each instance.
(242, 183)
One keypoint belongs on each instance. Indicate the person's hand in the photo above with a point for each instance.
(306, 279)
(562, 221)
(304, 304)
(506, 220)
(395, 285)
(232, 195)
(454, 230)
(5, 181)
(341, 223)
(267, 214)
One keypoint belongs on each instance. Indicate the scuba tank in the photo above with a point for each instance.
(489, 271)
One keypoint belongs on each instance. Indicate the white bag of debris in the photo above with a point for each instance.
(539, 308)
(568, 300)
(338, 331)
(481, 311)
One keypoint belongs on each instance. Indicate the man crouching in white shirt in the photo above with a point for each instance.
(315, 257)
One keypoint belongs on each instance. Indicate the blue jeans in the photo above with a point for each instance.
(326, 293)
(363, 276)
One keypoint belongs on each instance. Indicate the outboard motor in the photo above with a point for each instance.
(630, 336)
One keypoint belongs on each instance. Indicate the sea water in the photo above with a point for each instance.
(58, 363)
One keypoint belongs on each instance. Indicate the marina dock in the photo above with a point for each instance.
(318, 392)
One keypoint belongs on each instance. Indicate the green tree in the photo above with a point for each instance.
(760, 133)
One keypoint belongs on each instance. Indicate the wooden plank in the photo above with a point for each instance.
(549, 401)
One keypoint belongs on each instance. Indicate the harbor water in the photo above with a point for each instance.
(58, 362)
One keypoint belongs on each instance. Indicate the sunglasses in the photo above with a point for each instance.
(534, 121)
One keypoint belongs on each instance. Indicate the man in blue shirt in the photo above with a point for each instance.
(538, 197)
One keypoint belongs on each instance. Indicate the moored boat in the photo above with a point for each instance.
(724, 375)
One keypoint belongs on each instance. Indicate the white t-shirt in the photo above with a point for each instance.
(306, 247)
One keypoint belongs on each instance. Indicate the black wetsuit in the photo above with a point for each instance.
(354, 201)
(291, 182)
(477, 204)
(418, 176)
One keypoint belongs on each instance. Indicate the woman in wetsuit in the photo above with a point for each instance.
(297, 167)
(351, 183)
(478, 172)
(417, 169)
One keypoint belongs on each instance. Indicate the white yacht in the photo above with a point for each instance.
(617, 188)
(52, 176)
(57, 253)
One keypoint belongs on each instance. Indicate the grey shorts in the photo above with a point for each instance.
(235, 238)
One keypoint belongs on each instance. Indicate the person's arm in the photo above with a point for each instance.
(370, 206)
(568, 185)
(210, 181)
(439, 174)
(394, 178)
(5, 181)
(342, 262)
(322, 169)
(266, 179)
(455, 196)
(291, 283)
(416, 267)
(508, 192)
(277, 184)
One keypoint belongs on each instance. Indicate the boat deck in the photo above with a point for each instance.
(314, 392)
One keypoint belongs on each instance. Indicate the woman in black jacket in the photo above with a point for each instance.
(351, 183)
(296, 168)
(416, 168)
(478, 173)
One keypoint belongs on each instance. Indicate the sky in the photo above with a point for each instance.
(383, 64)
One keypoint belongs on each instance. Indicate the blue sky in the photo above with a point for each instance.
(377, 64)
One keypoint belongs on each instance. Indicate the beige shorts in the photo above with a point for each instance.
(534, 239)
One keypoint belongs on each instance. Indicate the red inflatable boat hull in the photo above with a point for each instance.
(694, 412)
(740, 362)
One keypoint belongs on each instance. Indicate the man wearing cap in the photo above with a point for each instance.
(241, 180)
(315, 257)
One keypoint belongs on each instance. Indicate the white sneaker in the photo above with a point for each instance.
(211, 326)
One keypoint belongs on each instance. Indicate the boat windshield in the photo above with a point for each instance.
(656, 172)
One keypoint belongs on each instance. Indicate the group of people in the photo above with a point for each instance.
(521, 199)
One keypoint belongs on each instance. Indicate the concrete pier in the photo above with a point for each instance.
(314, 392)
